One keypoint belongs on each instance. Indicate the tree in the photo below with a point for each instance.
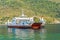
(36, 20)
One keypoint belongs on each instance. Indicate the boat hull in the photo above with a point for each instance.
(36, 26)
(20, 27)
(33, 26)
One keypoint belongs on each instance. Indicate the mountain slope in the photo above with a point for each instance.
(12, 8)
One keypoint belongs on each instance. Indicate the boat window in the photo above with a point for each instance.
(17, 21)
(22, 22)
(13, 21)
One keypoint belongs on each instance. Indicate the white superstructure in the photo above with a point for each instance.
(22, 20)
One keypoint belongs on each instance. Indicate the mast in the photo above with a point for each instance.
(22, 13)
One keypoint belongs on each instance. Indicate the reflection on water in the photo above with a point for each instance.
(27, 34)
(43, 34)
(50, 32)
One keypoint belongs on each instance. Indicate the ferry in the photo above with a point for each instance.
(24, 22)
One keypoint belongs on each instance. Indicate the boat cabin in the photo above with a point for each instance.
(22, 20)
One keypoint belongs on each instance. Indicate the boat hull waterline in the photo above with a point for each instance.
(33, 26)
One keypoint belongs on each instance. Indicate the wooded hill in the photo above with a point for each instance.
(50, 10)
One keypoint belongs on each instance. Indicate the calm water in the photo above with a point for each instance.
(50, 32)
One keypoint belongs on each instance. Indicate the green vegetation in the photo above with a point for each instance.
(45, 8)
(36, 19)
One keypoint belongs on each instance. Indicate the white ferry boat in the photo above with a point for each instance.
(24, 22)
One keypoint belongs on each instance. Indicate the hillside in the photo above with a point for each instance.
(58, 1)
(45, 8)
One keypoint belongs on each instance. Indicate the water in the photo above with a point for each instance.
(50, 32)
